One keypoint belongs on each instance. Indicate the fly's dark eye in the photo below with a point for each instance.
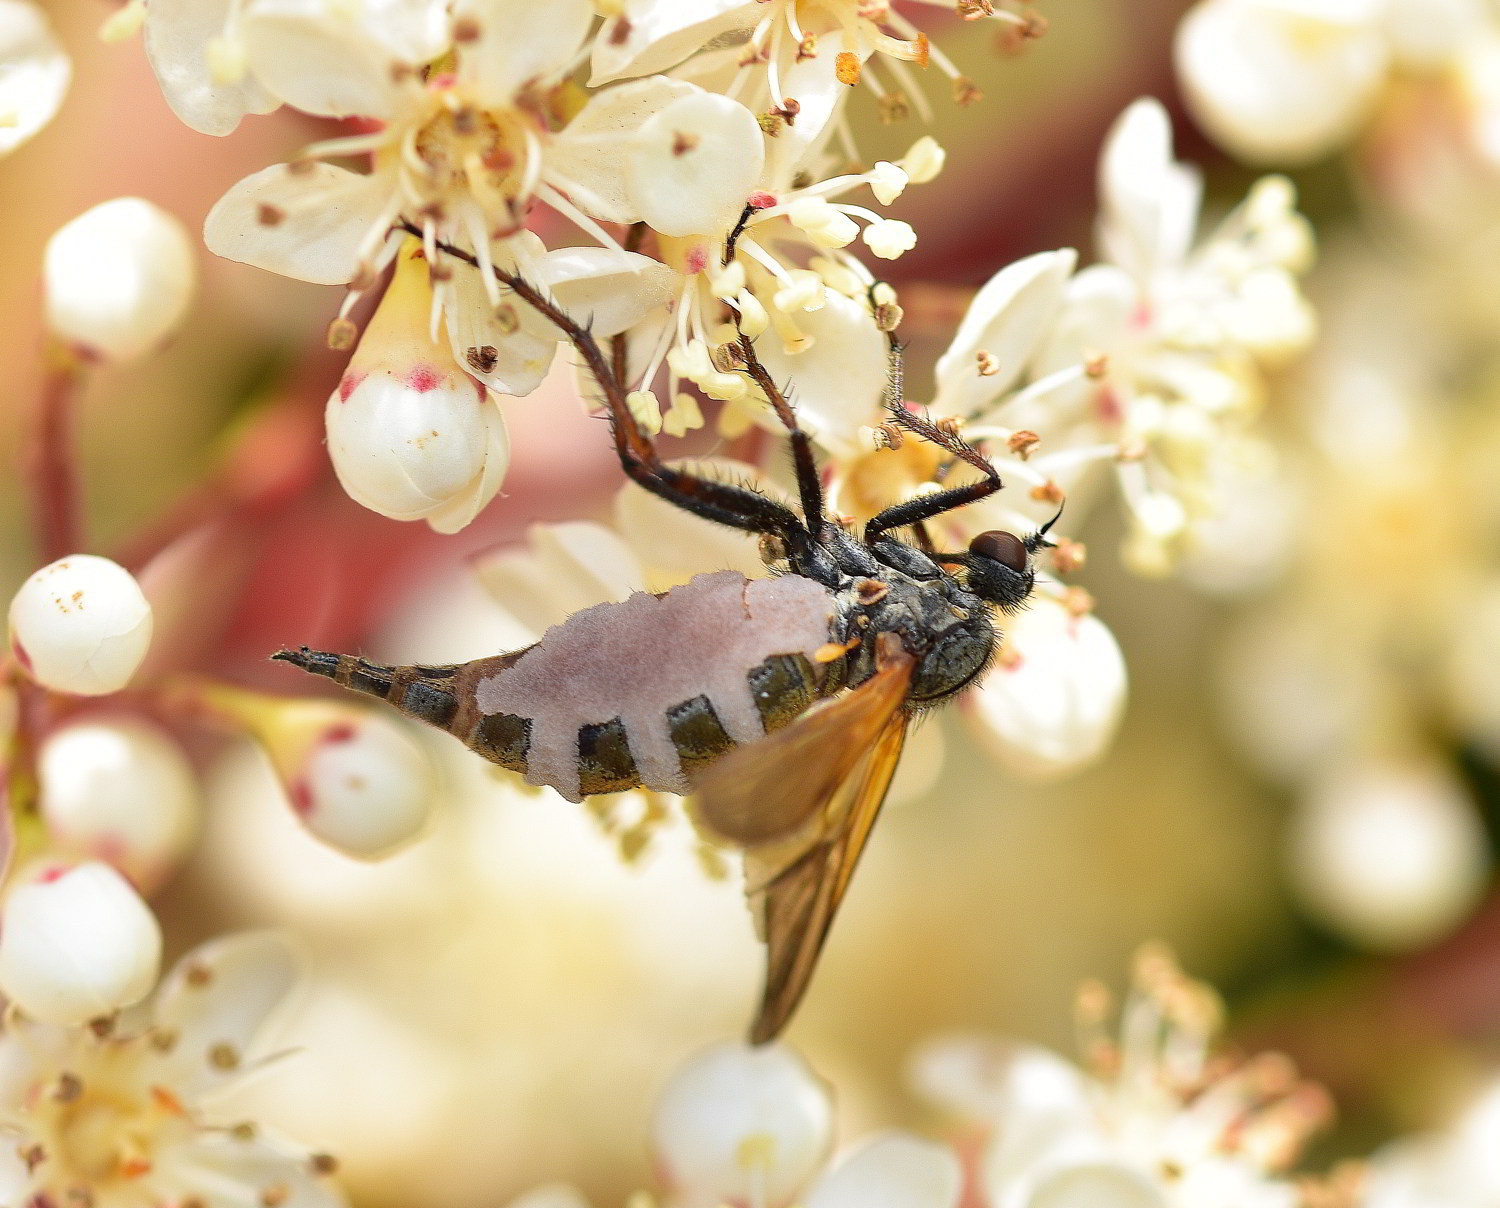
(1005, 548)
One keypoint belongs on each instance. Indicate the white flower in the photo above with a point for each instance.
(412, 436)
(77, 943)
(34, 73)
(119, 278)
(1389, 853)
(1283, 80)
(1147, 364)
(1455, 1168)
(1052, 702)
(1159, 1120)
(461, 156)
(778, 39)
(119, 1118)
(80, 624)
(737, 1122)
(121, 791)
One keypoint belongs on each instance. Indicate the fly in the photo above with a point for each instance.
(782, 704)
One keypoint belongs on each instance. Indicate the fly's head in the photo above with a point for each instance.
(1000, 568)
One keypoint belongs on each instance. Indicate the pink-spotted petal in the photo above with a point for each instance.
(307, 224)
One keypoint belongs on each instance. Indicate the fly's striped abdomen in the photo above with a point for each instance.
(639, 693)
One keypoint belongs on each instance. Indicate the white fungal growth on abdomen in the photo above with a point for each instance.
(638, 658)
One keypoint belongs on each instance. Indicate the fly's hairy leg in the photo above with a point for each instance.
(723, 503)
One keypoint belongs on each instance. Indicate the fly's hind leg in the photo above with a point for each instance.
(724, 503)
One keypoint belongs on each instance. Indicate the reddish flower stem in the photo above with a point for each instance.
(53, 470)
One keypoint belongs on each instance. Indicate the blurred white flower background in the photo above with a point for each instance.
(1211, 285)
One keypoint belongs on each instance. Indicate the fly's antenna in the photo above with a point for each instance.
(1038, 540)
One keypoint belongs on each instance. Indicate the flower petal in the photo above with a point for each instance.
(677, 545)
(652, 35)
(323, 58)
(1052, 702)
(223, 992)
(221, 1170)
(321, 217)
(34, 73)
(891, 1170)
(613, 290)
(1007, 320)
(459, 511)
(693, 163)
(985, 1077)
(178, 35)
(561, 569)
(837, 383)
(589, 157)
(1149, 201)
(519, 41)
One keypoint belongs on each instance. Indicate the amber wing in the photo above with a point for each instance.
(802, 802)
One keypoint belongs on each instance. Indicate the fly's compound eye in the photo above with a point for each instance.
(1004, 548)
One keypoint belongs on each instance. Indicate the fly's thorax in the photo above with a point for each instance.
(947, 629)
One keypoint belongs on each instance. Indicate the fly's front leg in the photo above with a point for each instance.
(926, 507)
(724, 503)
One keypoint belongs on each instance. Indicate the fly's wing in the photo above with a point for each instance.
(802, 802)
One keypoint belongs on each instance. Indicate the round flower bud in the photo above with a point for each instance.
(891, 1170)
(34, 73)
(1390, 855)
(355, 779)
(411, 435)
(1281, 80)
(742, 1124)
(1052, 701)
(119, 790)
(80, 625)
(77, 943)
(119, 278)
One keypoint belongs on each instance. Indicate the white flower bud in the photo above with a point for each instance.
(411, 435)
(77, 943)
(34, 73)
(739, 1124)
(887, 182)
(1284, 80)
(889, 239)
(119, 278)
(1051, 703)
(80, 625)
(891, 1170)
(355, 779)
(121, 791)
(924, 160)
(1390, 855)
